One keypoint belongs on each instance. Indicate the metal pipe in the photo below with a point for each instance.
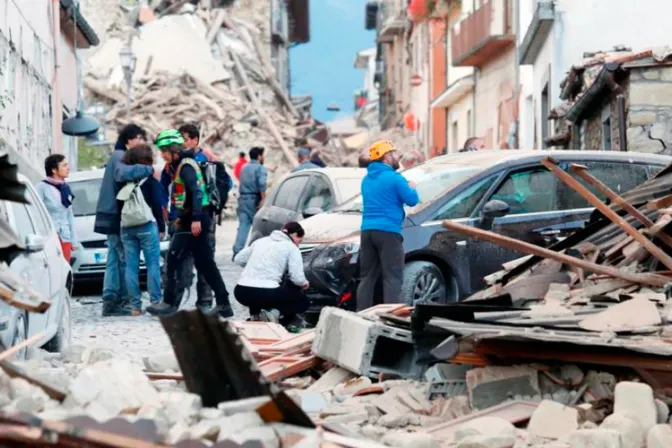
(622, 129)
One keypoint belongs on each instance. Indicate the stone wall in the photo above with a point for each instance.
(650, 110)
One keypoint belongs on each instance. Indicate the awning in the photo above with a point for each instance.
(454, 92)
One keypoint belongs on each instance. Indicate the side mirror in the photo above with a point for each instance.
(312, 211)
(35, 243)
(491, 210)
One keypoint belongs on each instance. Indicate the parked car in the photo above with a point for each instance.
(89, 264)
(45, 270)
(304, 194)
(508, 192)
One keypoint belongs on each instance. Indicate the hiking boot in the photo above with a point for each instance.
(113, 308)
(224, 311)
(205, 307)
(272, 316)
(161, 309)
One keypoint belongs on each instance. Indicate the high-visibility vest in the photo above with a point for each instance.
(179, 190)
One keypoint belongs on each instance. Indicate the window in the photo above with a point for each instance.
(40, 222)
(606, 128)
(290, 192)
(529, 191)
(463, 205)
(23, 226)
(86, 194)
(620, 177)
(319, 195)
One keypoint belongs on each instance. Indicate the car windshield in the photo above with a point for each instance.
(349, 187)
(431, 180)
(86, 194)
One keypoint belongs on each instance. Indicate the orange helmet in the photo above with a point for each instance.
(378, 150)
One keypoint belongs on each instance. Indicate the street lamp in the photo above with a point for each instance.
(128, 60)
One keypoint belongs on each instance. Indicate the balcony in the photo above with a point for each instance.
(391, 20)
(485, 34)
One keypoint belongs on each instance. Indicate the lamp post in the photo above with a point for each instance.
(128, 60)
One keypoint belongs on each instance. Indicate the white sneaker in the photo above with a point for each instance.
(270, 316)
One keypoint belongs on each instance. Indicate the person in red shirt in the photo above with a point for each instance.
(238, 167)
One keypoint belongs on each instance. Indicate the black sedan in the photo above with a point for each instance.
(508, 192)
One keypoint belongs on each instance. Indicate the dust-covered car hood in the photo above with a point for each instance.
(330, 227)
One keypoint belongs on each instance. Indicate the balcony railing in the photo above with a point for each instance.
(484, 34)
(391, 19)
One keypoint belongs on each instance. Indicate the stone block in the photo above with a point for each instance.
(410, 440)
(181, 406)
(666, 74)
(365, 347)
(643, 93)
(595, 438)
(636, 400)
(161, 362)
(553, 420)
(651, 74)
(486, 432)
(660, 436)
(490, 386)
(632, 434)
(658, 131)
(663, 411)
(230, 426)
(244, 405)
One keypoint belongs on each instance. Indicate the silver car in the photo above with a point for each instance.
(88, 263)
(42, 266)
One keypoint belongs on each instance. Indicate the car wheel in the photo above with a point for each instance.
(20, 335)
(423, 283)
(63, 337)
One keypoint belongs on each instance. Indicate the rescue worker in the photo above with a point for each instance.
(252, 192)
(384, 194)
(189, 197)
(304, 161)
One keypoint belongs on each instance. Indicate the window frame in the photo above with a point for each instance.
(299, 196)
(327, 181)
(519, 169)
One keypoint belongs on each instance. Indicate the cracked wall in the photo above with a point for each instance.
(648, 94)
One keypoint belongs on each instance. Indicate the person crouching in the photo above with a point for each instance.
(261, 287)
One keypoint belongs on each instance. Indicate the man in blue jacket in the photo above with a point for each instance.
(384, 193)
(116, 301)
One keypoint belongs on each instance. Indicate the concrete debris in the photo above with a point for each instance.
(636, 400)
(660, 436)
(632, 433)
(552, 420)
(489, 386)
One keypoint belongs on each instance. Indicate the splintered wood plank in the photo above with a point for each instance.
(511, 243)
(614, 217)
(281, 367)
(262, 333)
(381, 309)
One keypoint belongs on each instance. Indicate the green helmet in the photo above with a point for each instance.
(168, 138)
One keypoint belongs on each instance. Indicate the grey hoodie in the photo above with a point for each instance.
(267, 260)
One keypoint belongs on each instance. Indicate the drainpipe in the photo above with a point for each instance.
(57, 104)
(622, 130)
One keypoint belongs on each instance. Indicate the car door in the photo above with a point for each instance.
(52, 251)
(286, 202)
(31, 266)
(318, 196)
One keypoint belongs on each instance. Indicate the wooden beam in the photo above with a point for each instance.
(574, 184)
(664, 202)
(582, 172)
(531, 249)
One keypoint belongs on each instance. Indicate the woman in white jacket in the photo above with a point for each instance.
(261, 286)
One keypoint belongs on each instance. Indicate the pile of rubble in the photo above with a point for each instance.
(220, 78)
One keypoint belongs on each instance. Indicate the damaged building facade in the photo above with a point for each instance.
(34, 84)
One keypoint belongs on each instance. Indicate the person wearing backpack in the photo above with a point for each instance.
(218, 183)
(190, 199)
(142, 227)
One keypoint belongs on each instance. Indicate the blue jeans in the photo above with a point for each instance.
(114, 284)
(143, 238)
(247, 207)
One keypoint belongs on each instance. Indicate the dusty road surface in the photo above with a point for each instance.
(144, 335)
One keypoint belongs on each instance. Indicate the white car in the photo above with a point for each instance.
(89, 263)
(41, 266)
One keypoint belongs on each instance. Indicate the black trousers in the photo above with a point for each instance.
(288, 299)
(380, 253)
(183, 246)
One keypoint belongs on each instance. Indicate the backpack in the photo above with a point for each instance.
(218, 183)
(135, 211)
